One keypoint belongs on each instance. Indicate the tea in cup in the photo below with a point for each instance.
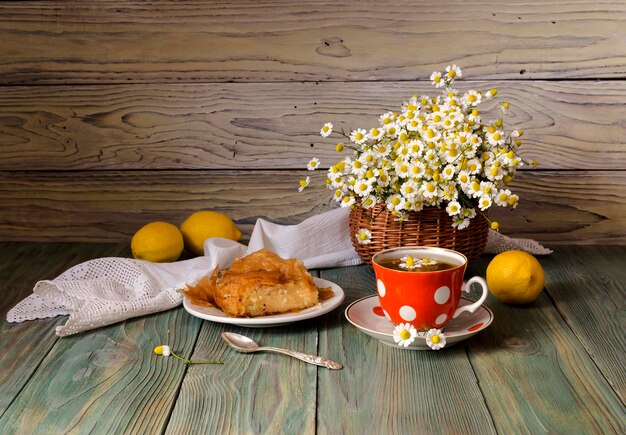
(422, 285)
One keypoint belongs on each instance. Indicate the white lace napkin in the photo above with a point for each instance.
(108, 290)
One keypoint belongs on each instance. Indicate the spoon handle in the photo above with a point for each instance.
(311, 359)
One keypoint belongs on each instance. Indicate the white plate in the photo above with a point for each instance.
(216, 315)
(366, 314)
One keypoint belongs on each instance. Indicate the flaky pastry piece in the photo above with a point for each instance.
(259, 284)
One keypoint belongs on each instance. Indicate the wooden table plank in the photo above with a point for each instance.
(27, 344)
(251, 393)
(110, 372)
(587, 284)
(121, 41)
(555, 207)
(535, 374)
(387, 390)
(276, 126)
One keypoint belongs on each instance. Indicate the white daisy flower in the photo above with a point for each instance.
(163, 350)
(395, 203)
(471, 98)
(402, 168)
(347, 201)
(496, 138)
(417, 169)
(494, 173)
(484, 202)
(502, 197)
(448, 172)
(460, 223)
(364, 236)
(436, 339)
(363, 187)
(474, 166)
(453, 208)
(376, 133)
(392, 130)
(454, 72)
(387, 118)
(409, 189)
(304, 184)
(369, 202)
(313, 164)
(327, 129)
(358, 136)
(437, 79)
(404, 334)
(429, 189)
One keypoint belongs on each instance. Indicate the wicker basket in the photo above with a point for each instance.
(430, 227)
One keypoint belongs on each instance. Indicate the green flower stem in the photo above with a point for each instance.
(186, 361)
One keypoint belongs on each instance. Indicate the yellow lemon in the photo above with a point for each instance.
(158, 242)
(204, 224)
(515, 277)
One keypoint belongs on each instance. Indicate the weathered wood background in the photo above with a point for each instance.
(113, 114)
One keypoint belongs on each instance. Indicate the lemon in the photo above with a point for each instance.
(515, 277)
(204, 224)
(158, 242)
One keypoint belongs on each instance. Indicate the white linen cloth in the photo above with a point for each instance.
(108, 290)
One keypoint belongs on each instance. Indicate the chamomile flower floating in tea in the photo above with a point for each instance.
(435, 339)
(404, 334)
(410, 263)
(165, 350)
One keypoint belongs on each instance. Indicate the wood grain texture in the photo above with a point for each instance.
(386, 390)
(110, 372)
(533, 370)
(568, 125)
(251, 393)
(556, 207)
(587, 284)
(120, 41)
(28, 343)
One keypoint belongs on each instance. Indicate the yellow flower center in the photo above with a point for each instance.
(452, 73)
(363, 236)
(339, 147)
(496, 136)
(395, 200)
(435, 339)
(358, 136)
(409, 189)
(405, 335)
(409, 261)
(303, 183)
(472, 99)
(357, 164)
(430, 187)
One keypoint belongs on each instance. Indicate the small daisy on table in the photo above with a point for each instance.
(435, 339)
(404, 334)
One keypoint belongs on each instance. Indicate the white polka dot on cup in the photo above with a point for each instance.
(441, 319)
(381, 288)
(407, 313)
(442, 295)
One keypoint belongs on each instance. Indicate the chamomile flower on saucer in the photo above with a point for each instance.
(404, 334)
(327, 129)
(313, 164)
(435, 339)
(364, 236)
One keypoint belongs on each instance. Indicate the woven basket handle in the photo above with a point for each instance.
(466, 288)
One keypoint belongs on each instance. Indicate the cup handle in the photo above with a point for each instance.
(466, 288)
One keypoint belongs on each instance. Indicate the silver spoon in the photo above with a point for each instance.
(247, 345)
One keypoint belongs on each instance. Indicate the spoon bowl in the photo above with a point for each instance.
(245, 344)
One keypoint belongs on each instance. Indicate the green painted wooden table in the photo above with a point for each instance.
(556, 365)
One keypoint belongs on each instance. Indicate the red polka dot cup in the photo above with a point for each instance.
(425, 299)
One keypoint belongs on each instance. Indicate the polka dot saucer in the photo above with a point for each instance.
(367, 315)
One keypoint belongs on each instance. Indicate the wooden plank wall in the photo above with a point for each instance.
(116, 113)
